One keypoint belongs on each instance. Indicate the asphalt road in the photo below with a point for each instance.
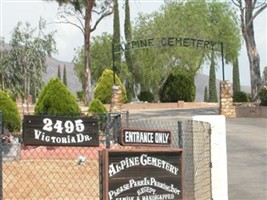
(246, 150)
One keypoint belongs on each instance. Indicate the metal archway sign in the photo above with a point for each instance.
(168, 42)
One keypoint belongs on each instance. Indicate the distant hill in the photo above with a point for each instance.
(202, 80)
(52, 70)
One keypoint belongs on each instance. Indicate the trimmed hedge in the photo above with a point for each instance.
(240, 96)
(179, 86)
(96, 106)
(146, 96)
(11, 117)
(103, 89)
(263, 96)
(56, 99)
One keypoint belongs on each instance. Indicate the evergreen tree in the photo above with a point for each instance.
(236, 79)
(212, 81)
(128, 54)
(65, 76)
(179, 86)
(11, 116)
(206, 98)
(58, 72)
(56, 99)
(103, 89)
(264, 77)
(116, 37)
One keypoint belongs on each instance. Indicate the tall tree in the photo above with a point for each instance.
(128, 54)
(212, 81)
(216, 22)
(264, 77)
(236, 77)
(89, 14)
(23, 65)
(206, 98)
(1, 64)
(58, 72)
(249, 10)
(116, 37)
(65, 76)
(101, 57)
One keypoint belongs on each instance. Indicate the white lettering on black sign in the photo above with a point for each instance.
(149, 137)
(60, 126)
(60, 131)
(141, 175)
(145, 183)
(77, 138)
(143, 160)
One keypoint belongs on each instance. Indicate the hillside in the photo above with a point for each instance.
(52, 70)
(202, 80)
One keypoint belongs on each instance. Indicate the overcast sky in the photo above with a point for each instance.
(68, 37)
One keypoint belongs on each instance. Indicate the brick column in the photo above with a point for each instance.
(226, 101)
(116, 99)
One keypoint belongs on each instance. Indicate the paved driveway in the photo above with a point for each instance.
(247, 158)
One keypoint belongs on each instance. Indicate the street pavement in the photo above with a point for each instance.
(247, 158)
(246, 150)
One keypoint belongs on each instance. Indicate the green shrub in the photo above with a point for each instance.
(103, 90)
(146, 96)
(178, 86)
(56, 99)
(96, 106)
(263, 96)
(11, 117)
(97, 110)
(240, 96)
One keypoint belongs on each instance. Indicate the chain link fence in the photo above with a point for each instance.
(54, 172)
(197, 160)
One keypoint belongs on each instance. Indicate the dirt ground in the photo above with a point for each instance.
(50, 179)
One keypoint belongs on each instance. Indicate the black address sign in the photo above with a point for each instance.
(60, 131)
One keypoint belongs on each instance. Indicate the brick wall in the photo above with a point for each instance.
(226, 101)
(116, 99)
